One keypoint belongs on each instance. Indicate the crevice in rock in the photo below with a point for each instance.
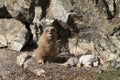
(44, 4)
(108, 13)
(31, 12)
(30, 36)
(4, 13)
(61, 28)
(115, 8)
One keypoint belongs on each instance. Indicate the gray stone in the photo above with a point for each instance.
(14, 35)
(39, 72)
(38, 14)
(34, 32)
(21, 59)
(118, 59)
(14, 7)
(56, 10)
(117, 66)
(1, 3)
(33, 66)
(78, 47)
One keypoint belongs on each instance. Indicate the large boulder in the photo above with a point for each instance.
(13, 34)
(14, 7)
(58, 10)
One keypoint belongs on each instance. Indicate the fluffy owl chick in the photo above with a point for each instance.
(88, 61)
(47, 46)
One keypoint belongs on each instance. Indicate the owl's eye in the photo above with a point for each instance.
(53, 30)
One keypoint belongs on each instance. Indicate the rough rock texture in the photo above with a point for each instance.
(14, 7)
(13, 34)
(21, 59)
(38, 15)
(58, 10)
(78, 47)
(97, 21)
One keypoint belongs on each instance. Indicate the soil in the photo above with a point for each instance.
(10, 71)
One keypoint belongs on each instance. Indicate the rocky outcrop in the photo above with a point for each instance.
(13, 34)
(88, 26)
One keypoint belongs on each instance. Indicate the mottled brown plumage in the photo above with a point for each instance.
(47, 46)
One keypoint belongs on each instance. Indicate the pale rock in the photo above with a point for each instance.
(118, 60)
(24, 3)
(13, 34)
(20, 40)
(1, 3)
(38, 14)
(111, 57)
(26, 64)
(78, 47)
(117, 66)
(21, 59)
(39, 72)
(56, 10)
(34, 32)
(33, 66)
(14, 7)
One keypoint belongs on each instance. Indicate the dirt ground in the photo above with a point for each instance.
(10, 71)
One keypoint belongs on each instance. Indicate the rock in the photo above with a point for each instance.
(39, 72)
(57, 10)
(20, 41)
(21, 59)
(78, 47)
(1, 3)
(15, 36)
(117, 66)
(27, 65)
(33, 66)
(34, 32)
(30, 64)
(112, 57)
(88, 61)
(38, 14)
(14, 7)
(118, 60)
